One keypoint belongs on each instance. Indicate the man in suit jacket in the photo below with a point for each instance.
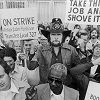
(54, 89)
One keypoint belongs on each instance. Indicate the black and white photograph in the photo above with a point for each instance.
(49, 49)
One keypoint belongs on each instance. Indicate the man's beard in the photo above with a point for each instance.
(56, 90)
(27, 51)
(55, 45)
(93, 37)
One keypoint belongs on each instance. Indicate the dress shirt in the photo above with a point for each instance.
(9, 94)
(57, 97)
(93, 69)
(19, 76)
(56, 58)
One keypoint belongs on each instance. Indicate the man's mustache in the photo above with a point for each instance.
(93, 35)
(56, 41)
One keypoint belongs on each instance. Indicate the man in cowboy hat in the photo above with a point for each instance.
(58, 53)
(54, 52)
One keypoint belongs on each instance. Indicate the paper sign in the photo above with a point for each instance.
(13, 4)
(93, 91)
(83, 12)
(19, 24)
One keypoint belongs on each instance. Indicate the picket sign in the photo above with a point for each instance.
(83, 11)
(93, 91)
(20, 25)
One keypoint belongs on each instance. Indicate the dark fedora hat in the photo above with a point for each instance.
(56, 26)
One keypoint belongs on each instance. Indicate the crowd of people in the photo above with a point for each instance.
(58, 66)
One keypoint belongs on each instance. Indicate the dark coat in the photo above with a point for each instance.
(75, 77)
(69, 55)
(70, 59)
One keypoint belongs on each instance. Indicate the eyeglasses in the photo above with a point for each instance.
(57, 81)
(27, 44)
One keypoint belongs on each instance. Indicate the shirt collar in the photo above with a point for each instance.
(66, 46)
(58, 51)
(13, 88)
(15, 69)
(62, 93)
(92, 59)
(95, 42)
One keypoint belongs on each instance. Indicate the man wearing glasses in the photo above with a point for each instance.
(54, 89)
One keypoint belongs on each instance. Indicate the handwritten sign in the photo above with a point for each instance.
(93, 91)
(83, 11)
(19, 24)
(13, 4)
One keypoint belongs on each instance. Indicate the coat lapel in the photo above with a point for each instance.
(66, 54)
(66, 95)
(63, 56)
(46, 94)
(46, 51)
(49, 57)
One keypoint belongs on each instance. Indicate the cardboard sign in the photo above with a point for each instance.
(93, 91)
(13, 4)
(19, 24)
(83, 12)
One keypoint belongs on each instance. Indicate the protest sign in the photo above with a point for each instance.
(13, 4)
(93, 91)
(19, 24)
(83, 12)
(2, 3)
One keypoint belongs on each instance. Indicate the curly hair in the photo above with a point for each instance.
(7, 68)
(96, 31)
(97, 45)
(8, 52)
(58, 70)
